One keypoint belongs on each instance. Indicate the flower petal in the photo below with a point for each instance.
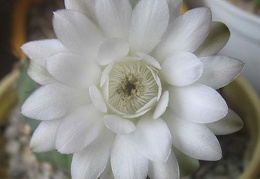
(161, 105)
(149, 60)
(71, 28)
(39, 74)
(174, 9)
(53, 101)
(126, 161)
(181, 69)
(114, 17)
(118, 124)
(193, 139)
(97, 99)
(187, 164)
(164, 170)
(73, 70)
(229, 124)
(148, 24)
(38, 51)
(107, 173)
(148, 105)
(111, 50)
(185, 34)
(79, 129)
(86, 7)
(218, 37)
(153, 139)
(44, 136)
(91, 161)
(197, 103)
(219, 71)
(105, 74)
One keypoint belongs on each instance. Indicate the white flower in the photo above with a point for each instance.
(127, 85)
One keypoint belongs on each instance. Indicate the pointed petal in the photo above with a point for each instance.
(105, 74)
(174, 9)
(161, 105)
(118, 124)
(218, 37)
(218, 71)
(153, 139)
(181, 69)
(114, 17)
(53, 101)
(97, 99)
(44, 136)
(149, 60)
(187, 164)
(107, 173)
(111, 50)
(126, 161)
(73, 70)
(148, 24)
(39, 74)
(86, 7)
(148, 105)
(71, 28)
(197, 103)
(185, 34)
(164, 170)
(229, 124)
(38, 51)
(193, 139)
(79, 129)
(91, 161)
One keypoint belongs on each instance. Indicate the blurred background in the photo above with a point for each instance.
(27, 20)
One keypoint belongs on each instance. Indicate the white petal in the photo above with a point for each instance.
(148, 24)
(44, 136)
(91, 161)
(161, 105)
(105, 74)
(193, 139)
(157, 80)
(77, 32)
(218, 71)
(73, 70)
(97, 99)
(86, 7)
(107, 173)
(114, 17)
(79, 129)
(181, 69)
(118, 124)
(111, 50)
(187, 164)
(149, 60)
(53, 101)
(229, 124)
(148, 105)
(217, 38)
(174, 9)
(137, 114)
(39, 74)
(197, 103)
(38, 51)
(126, 161)
(185, 34)
(164, 170)
(153, 139)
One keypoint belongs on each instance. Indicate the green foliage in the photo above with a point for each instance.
(25, 87)
(257, 2)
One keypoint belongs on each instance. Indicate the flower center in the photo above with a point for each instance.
(131, 86)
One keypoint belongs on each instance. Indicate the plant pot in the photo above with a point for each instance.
(240, 96)
(244, 43)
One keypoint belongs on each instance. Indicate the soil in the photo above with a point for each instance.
(23, 164)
